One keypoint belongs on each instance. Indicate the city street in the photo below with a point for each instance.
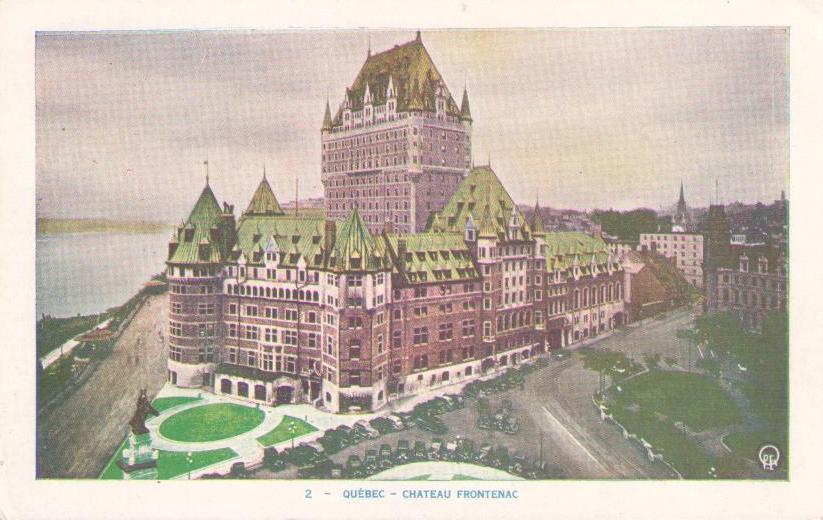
(555, 404)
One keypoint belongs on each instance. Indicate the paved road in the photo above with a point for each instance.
(559, 400)
(77, 437)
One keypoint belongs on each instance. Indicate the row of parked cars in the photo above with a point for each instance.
(312, 458)
(453, 450)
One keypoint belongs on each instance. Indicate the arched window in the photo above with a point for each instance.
(576, 301)
(586, 297)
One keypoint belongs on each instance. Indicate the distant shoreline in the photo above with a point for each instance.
(55, 226)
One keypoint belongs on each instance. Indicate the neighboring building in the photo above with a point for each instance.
(620, 248)
(646, 294)
(283, 308)
(398, 145)
(684, 249)
(747, 279)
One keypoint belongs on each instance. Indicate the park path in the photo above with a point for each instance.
(76, 438)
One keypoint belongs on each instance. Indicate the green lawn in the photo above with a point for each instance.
(211, 422)
(283, 432)
(171, 463)
(747, 444)
(164, 403)
(678, 449)
(695, 399)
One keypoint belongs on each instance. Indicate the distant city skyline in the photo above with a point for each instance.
(584, 118)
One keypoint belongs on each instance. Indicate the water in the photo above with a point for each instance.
(87, 273)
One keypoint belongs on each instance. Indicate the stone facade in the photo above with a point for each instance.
(301, 309)
(398, 145)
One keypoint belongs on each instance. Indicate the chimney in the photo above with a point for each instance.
(329, 232)
(401, 252)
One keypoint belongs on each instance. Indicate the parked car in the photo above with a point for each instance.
(382, 425)
(365, 429)
(397, 422)
(384, 456)
(370, 463)
(434, 448)
(403, 453)
(354, 467)
(420, 451)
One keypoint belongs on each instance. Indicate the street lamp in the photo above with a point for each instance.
(189, 462)
(292, 429)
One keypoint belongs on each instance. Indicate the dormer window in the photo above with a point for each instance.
(744, 264)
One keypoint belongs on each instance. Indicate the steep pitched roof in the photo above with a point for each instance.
(537, 221)
(465, 112)
(483, 196)
(327, 118)
(565, 248)
(431, 257)
(355, 249)
(294, 237)
(196, 231)
(263, 202)
(413, 75)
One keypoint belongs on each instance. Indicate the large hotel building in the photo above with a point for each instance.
(398, 145)
(422, 274)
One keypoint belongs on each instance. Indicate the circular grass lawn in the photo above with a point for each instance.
(211, 422)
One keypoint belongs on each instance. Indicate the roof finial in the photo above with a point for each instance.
(206, 164)
(417, 37)
(368, 52)
(264, 170)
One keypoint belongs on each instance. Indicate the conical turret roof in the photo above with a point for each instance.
(537, 221)
(355, 249)
(263, 202)
(327, 118)
(465, 112)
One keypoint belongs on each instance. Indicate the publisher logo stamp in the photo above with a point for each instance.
(769, 456)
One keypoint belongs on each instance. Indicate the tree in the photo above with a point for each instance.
(710, 366)
(607, 363)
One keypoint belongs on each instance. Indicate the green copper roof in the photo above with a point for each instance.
(483, 196)
(263, 202)
(292, 238)
(355, 249)
(432, 257)
(413, 75)
(200, 239)
(563, 249)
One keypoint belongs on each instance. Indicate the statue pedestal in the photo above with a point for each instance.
(139, 460)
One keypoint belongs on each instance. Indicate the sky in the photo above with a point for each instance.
(583, 119)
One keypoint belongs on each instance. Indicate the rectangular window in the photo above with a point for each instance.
(175, 353)
(232, 330)
(176, 307)
(379, 343)
(354, 350)
(467, 328)
(251, 310)
(487, 328)
(289, 337)
(355, 280)
(251, 359)
(232, 308)
(290, 315)
(396, 338)
(330, 345)
(421, 335)
(268, 364)
(311, 317)
(312, 339)
(445, 332)
(271, 312)
(270, 335)
(175, 329)
(252, 332)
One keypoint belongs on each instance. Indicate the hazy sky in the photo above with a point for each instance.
(585, 118)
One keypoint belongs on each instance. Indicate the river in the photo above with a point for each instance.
(87, 273)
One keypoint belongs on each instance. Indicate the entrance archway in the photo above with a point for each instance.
(284, 394)
(260, 392)
(225, 386)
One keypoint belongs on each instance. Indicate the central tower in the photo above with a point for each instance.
(398, 145)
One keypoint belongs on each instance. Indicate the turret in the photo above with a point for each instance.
(465, 112)
(326, 119)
